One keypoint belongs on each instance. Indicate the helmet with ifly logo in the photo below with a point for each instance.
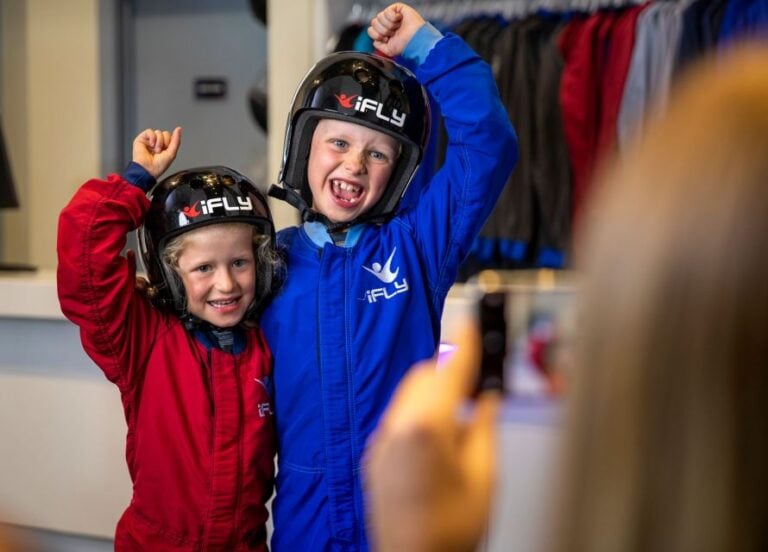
(360, 88)
(195, 198)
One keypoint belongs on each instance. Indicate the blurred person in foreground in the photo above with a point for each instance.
(666, 435)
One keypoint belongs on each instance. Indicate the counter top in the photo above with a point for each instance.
(33, 295)
(29, 295)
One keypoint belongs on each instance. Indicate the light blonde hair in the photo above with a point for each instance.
(175, 247)
(668, 435)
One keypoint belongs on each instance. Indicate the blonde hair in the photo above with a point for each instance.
(668, 435)
(175, 247)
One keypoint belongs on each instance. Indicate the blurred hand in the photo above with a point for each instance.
(393, 27)
(155, 150)
(429, 474)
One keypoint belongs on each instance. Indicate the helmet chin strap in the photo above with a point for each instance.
(224, 337)
(193, 323)
(292, 197)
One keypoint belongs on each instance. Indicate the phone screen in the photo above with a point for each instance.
(493, 334)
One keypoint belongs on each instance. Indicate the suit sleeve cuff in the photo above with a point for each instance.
(138, 176)
(418, 48)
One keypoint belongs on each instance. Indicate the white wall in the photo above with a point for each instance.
(175, 42)
(50, 105)
(61, 101)
(62, 430)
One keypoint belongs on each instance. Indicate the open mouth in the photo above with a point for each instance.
(346, 192)
(223, 303)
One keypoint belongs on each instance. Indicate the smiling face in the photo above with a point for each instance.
(349, 168)
(218, 270)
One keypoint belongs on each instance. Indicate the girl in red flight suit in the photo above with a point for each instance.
(186, 354)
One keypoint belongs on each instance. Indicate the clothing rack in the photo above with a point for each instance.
(451, 10)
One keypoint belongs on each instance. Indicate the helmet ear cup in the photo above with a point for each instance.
(269, 277)
(175, 286)
(297, 171)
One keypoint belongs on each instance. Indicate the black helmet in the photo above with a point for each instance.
(369, 90)
(194, 198)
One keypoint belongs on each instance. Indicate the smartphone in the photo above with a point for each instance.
(493, 335)
(526, 321)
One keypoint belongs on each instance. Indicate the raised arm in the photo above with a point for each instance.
(481, 147)
(95, 281)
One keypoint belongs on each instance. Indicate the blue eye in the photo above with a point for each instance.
(203, 268)
(378, 157)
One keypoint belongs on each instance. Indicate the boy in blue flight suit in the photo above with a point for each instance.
(366, 284)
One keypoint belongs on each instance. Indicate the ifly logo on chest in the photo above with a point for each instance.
(208, 206)
(388, 277)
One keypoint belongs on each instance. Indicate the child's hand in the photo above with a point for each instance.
(155, 150)
(393, 27)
